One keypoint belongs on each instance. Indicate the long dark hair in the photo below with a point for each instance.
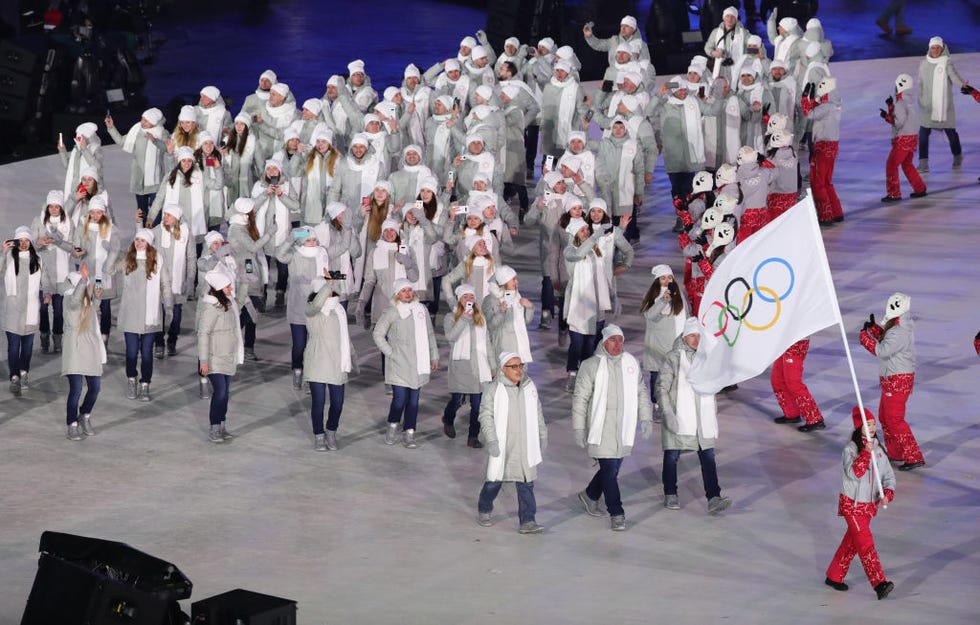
(236, 142)
(430, 207)
(186, 174)
(223, 300)
(857, 437)
(199, 157)
(676, 301)
(35, 263)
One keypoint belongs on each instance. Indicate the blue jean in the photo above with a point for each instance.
(896, 8)
(527, 507)
(951, 134)
(139, 345)
(248, 325)
(319, 392)
(582, 346)
(436, 295)
(709, 473)
(606, 483)
(19, 348)
(94, 384)
(455, 401)
(632, 231)
(547, 294)
(299, 334)
(45, 326)
(143, 203)
(404, 400)
(220, 385)
(172, 330)
(282, 275)
(653, 385)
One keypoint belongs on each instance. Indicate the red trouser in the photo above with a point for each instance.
(901, 154)
(858, 541)
(753, 219)
(899, 441)
(779, 203)
(695, 289)
(821, 181)
(787, 384)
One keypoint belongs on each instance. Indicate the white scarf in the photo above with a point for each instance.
(463, 346)
(319, 256)
(73, 175)
(317, 180)
(733, 124)
(279, 116)
(61, 258)
(279, 211)
(178, 265)
(152, 314)
(482, 283)
(590, 293)
(197, 222)
(627, 184)
(334, 110)
(484, 163)
(939, 78)
(628, 369)
(369, 168)
(32, 314)
(566, 108)
(416, 243)
(692, 124)
(151, 156)
(441, 138)
(587, 168)
(516, 312)
(213, 117)
(690, 404)
(101, 254)
(419, 314)
(234, 310)
(383, 251)
(332, 307)
(377, 140)
(501, 410)
(783, 45)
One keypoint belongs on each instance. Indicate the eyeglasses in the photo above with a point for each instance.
(517, 366)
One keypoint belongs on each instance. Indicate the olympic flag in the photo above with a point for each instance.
(772, 290)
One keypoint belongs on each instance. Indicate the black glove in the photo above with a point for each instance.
(890, 101)
(672, 287)
(688, 227)
(702, 239)
(759, 158)
(967, 90)
(697, 258)
(728, 62)
(808, 90)
(883, 113)
(866, 326)
(871, 318)
(765, 108)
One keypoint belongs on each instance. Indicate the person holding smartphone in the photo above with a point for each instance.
(664, 311)
(219, 348)
(86, 153)
(97, 240)
(184, 187)
(508, 314)
(247, 245)
(470, 365)
(210, 163)
(327, 360)
(388, 262)
(21, 269)
(177, 250)
(54, 233)
(146, 141)
(276, 201)
(306, 261)
(240, 158)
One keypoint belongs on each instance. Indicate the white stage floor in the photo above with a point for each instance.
(376, 534)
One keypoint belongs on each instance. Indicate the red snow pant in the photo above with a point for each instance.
(899, 441)
(858, 541)
(779, 203)
(903, 148)
(695, 289)
(753, 219)
(792, 394)
(821, 181)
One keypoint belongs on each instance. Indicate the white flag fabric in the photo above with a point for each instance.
(772, 290)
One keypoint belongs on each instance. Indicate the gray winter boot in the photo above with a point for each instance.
(331, 440)
(321, 443)
(391, 434)
(297, 379)
(57, 344)
(923, 167)
(545, 323)
(144, 391)
(131, 387)
(215, 434)
(225, 434)
(86, 423)
(408, 439)
(15, 385)
(45, 343)
(73, 433)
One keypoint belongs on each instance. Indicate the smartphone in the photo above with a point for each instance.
(61, 139)
(419, 204)
(509, 296)
(402, 249)
(589, 114)
(607, 86)
(451, 174)
(366, 201)
(549, 162)
(12, 242)
(455, 103)
(81, 186)
(210, 162)
(673, 84)
(274, 181)
(248, 265)
(98, 283)
(701, 91)
(108, 112)
(547, 196)
(468, 306)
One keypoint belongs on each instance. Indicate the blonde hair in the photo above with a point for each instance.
(468, 263)
(477, 315)
(330, 157)
(104, 225)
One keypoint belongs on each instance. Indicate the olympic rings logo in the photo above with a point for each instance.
(739, 291)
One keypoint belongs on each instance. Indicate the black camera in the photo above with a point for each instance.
(337, 275)
(273, 181)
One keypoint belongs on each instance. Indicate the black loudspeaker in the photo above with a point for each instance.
(13, 109)
(89, 581)
(17, 58)
(243, 607)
